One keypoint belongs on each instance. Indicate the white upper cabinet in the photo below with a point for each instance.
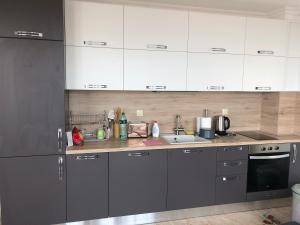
(94, 68)
(292, 82)
(294, 40)
(155, 70)
(216, 33)
(155, 29)
(93, 24)
(266, 37)
(215, 72)
(264, 73)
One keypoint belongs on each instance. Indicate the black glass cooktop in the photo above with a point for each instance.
(256, 135)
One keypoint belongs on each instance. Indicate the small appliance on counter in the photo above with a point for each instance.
(222, 125)
(207, 128)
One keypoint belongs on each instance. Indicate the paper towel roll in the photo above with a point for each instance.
(206, 122)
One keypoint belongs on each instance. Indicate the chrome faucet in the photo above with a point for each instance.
(179, 127)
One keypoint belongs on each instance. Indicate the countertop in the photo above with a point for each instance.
(136, 144)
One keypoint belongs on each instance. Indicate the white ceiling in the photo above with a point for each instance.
(260, 6)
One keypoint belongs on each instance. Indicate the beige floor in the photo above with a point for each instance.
(242, 218)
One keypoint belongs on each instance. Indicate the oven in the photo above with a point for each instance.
(268, 167)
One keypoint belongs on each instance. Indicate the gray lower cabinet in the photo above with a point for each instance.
(191, 178)
(137, 182)
(231, 180)
(33, 190)
(294, 177)
(87, 187)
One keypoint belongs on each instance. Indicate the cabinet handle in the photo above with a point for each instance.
(158, 87)
(99, 43)
(138, 154)
(96, 86)
(59, 140)
(265, 52)
(295, 153)
(218, 49)
(189, 151)
(232, 178)
(263, 88)
(87, 157)
(60, 168)
(233, 149)
(157, 46)
(20, 33)
(232, 164)
(218, 88)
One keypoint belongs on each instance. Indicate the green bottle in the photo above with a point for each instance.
(123, 127)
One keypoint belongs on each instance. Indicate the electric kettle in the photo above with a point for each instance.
(222, 124)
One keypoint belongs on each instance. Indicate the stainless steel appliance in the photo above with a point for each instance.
(222, 125)
(268, 167)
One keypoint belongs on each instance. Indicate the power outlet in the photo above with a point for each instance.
(139, 113)
(225, 112)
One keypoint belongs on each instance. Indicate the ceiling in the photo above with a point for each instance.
(260, 6)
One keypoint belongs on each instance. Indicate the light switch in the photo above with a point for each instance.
(139, 112)
(225, 112)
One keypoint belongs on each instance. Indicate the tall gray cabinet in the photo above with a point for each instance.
(32, 161)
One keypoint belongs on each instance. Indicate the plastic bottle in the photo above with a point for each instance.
(155, 130)
(123, 127)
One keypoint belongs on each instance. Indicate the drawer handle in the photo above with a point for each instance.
(295, 153)
(138, 154)
(263, 88)
(87, 157)
(232, 164)
(189, 151)
(218, 49)
(232, 178)
(265, 52)
(233, 149)
(20, 33)
(154, 46)
(99, 43)
(96, 86)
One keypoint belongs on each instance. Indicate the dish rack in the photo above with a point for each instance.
(84, 119)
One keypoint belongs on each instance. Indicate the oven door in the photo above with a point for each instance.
(268, 172)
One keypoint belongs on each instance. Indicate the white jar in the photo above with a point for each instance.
(155, 130)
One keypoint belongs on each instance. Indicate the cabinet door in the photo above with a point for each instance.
(294, 37)
(94, 24)
(94, 68)
(155, 70)
(292, 80)
(155, 29)
(33, 190)
(216, 33)
(137, 182)
(231, 188)
(294, 177)
(264, 73)
(32, 97)
(191, 178)
(266, 37)
(38, 19)
(215, 72)
(87, 190)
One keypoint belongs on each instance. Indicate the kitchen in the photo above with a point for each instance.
(221, 80)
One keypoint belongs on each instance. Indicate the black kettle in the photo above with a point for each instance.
(222, 125)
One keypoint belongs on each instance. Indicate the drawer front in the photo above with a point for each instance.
(229, 167)
(232, 153)
(230, 189)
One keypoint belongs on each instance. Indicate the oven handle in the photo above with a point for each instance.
(271, 157)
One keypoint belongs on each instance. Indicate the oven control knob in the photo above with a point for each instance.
(270, 148)
(263, 149)
(277, 148)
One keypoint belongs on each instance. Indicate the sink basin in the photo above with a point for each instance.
(184, 139)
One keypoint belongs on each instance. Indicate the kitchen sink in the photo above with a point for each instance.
(184, 139)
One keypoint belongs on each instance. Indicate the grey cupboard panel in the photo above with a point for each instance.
(33, 190)
(32, 97)
(232, 152)
(191, 178)
(87, 186)
(137, 182)
(42, 16)
(229, 167)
